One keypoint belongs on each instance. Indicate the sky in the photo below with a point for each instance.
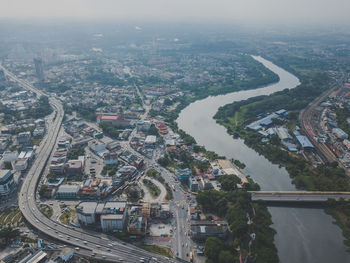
(243, 11)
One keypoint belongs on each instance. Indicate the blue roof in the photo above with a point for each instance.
(304, 141)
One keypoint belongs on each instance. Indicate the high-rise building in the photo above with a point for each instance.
(39, 69)
(3, 79)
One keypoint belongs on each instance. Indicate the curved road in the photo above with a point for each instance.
(99, 245)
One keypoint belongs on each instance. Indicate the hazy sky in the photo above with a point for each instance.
(251, 11)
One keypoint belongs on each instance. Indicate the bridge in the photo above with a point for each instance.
(298, 196)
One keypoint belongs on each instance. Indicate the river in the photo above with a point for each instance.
(303, 234)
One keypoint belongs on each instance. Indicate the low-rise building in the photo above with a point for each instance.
(74, 167)
(150, 141)
(24, 138)
(66, 191)
(200, 230)
(339, 133)
(183, 174)
(111, 158)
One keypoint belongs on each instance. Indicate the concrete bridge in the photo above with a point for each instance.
(298, 196)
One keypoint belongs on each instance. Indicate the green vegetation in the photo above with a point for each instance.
(47, 210)
(153, 130)
(342, 115)
(234, 207)
(8, 165)
(110, 129)
(341, 212)
(75, 152)
(153, 173)
(158, 250)
(8, 235)
(43, 109)
(154, 190)
(134, 193)
(110, 169)
(43, 189)
(67, 216)
(239, 164)
(327, 177)
(11, 217)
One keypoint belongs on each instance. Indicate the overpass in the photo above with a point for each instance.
(87, 243)
(298, 196)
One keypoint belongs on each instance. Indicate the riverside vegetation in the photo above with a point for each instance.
(327, 177)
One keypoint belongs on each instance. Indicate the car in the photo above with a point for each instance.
(103, 256)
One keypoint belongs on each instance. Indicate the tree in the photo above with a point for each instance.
(153, 130)
(229, 182)
(43, 189)
(225, 256)
(212, 247)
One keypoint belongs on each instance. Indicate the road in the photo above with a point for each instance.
(99, 245)
(292, 196)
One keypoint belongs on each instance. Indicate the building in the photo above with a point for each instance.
(113, 118)
(110, 158)
(339, 133)
(38, 62)
(304, 142)
(200, 230)
(110, 215)
(74, 167)
(112, 222)
(86, 213)
(66, 191)
(21, 164)
(98, 148)
(193, 184)
(24, 138)
(7, 183)
(283, 134)
(143, 126)
(150, 141)
(183, 174)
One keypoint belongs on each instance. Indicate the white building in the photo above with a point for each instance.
(150, 141)
(112, 222)
(86, 213)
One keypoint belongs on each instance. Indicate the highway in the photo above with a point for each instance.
(100, 246)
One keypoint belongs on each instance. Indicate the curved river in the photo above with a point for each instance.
(303, 234)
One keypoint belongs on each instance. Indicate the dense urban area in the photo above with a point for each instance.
(94, 167)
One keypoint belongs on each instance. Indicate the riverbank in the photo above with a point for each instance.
(313, 236)
(329, 177)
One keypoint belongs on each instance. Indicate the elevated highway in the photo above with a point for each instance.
(296, 196)
(99, 245)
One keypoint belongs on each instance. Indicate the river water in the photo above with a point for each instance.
(303, 234)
